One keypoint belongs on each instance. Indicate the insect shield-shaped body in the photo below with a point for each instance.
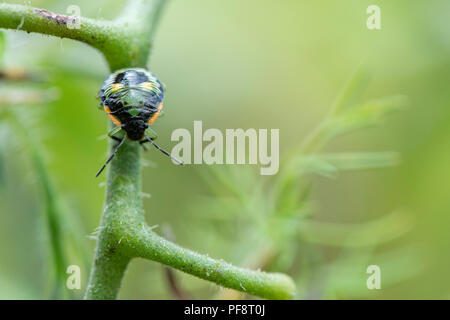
(133, 100)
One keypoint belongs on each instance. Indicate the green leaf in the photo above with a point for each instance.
(314, 164)
(371, 233)
(368, 114)
(330, 164)
(347, 276)
(346, 120)
(352, 91)
(362, 160)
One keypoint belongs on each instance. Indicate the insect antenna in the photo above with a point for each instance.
(162, 150)
(110, 157)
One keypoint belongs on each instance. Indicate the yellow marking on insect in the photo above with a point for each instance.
(147, 85)
(113, 118)
(156, 114)
(116, 86)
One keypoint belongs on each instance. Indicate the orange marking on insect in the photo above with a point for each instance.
(156, 114)
(112, 117)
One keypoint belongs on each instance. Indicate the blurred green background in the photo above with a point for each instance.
(247, 64)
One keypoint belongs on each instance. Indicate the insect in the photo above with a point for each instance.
(133, 100)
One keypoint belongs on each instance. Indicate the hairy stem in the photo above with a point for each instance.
(122, 214)
(146, 244)
(124, 42)
(124, 235)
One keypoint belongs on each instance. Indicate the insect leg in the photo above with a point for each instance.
(161, 114)
(161, 149)
(152, 134)
(113, 131)
(142, 144)
(110, 157)
(116, 139)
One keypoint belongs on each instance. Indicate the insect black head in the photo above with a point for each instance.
(135, 128)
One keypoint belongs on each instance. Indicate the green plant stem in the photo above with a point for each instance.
(52, 211)
(123, 42)
(122, 214)
(146, 244)
(123, 233)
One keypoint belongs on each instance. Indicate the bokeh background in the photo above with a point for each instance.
(243, 64)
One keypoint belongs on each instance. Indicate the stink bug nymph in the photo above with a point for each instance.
(133, 100)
